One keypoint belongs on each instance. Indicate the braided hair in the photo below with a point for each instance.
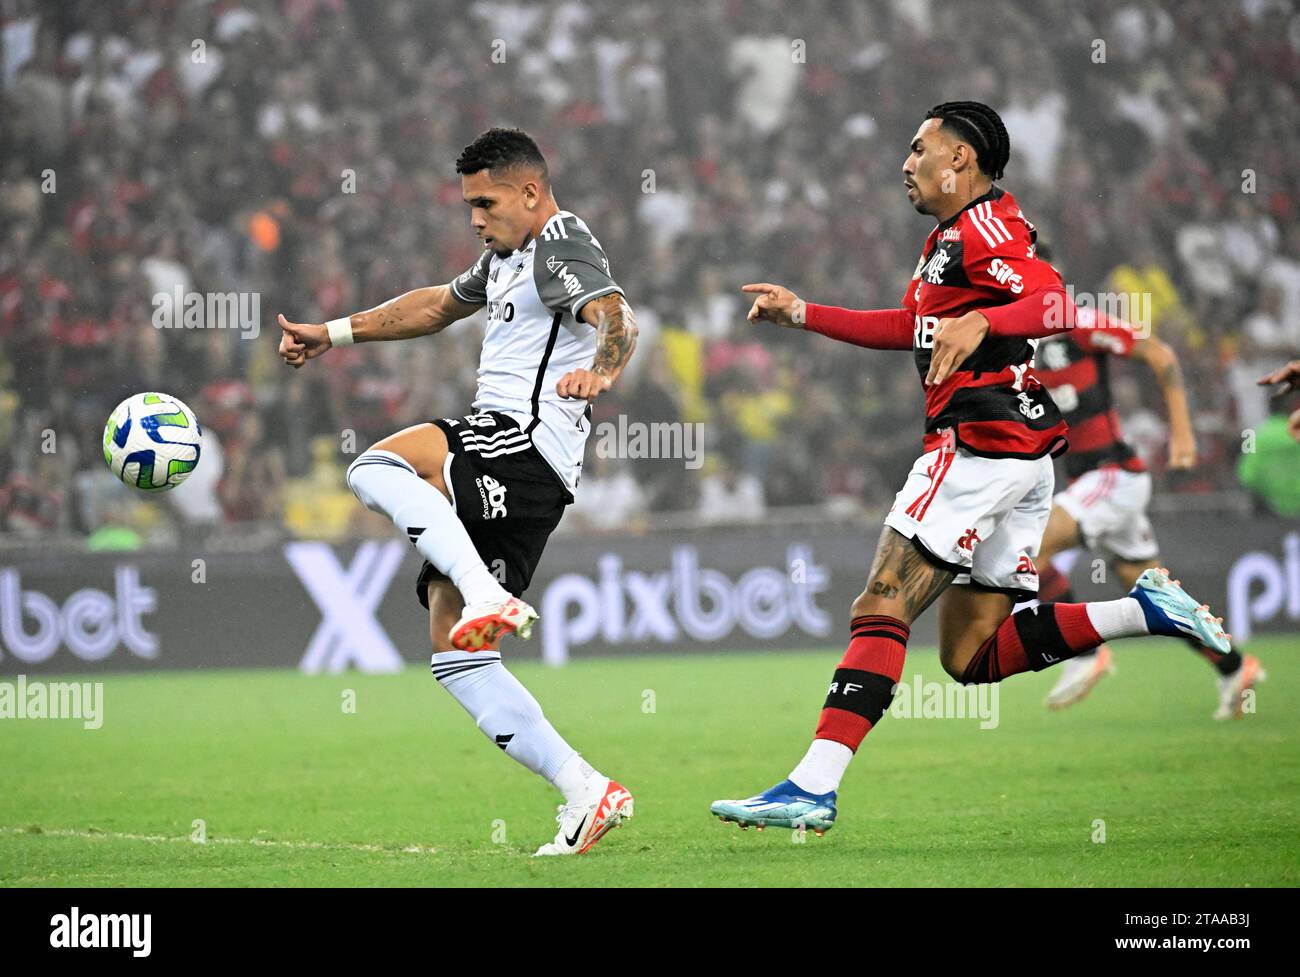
(979, 125)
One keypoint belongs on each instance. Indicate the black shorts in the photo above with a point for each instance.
(509, 499)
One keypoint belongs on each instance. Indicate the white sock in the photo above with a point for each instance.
(823, 766)
(1121, 618)
(510, 717)
(385, 482)
(574, 777)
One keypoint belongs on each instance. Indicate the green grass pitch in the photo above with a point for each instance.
(293, 790)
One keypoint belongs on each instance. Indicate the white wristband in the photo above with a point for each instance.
(340, 331)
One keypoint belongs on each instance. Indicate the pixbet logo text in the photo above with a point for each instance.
(686, 600)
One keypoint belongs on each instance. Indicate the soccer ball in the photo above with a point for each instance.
(152, 442)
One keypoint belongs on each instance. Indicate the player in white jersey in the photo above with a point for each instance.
(479, 495)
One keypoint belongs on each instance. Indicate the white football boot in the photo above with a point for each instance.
(606, 804)
(1233, 688)
(1079, 675)
(482, 624)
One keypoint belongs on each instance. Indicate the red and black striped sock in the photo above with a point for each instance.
(1033, 639)
(1223, 664)
(864, 682)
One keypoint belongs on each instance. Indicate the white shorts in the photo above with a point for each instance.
(1110, 506)
(980, 517)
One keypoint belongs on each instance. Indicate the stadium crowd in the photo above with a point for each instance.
(300, 152)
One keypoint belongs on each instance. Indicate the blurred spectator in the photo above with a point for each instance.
(200, 503)
(319, 505)
(728, 495)
(1263, 342)
(610, 499)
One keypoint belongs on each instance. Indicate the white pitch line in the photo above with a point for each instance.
(254, 842)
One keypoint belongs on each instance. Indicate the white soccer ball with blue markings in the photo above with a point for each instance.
(152, 441)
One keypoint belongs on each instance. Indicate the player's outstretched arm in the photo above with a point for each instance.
(871, 328)
(615, 342)
(772, 303)
(1164, 364)
(419, 312)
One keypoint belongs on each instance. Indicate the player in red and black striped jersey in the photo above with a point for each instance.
(973, 509)
(979, 276)
(981, 260)
(1104, 507)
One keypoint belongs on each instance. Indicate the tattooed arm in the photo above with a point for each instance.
(1164, 363)
(419, 312)
(615, 340)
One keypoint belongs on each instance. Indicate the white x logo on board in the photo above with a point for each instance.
(348, 633)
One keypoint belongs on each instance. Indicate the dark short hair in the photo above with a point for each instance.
(502, 149)
(979, 125)
(1043, 251)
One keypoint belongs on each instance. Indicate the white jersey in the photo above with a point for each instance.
(534, 335)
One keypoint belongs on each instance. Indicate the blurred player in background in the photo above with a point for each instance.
(1104, 507)
(486, 490)
(973, 510)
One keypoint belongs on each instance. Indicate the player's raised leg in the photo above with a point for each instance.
(902, 584)
(1035, 638)
(403, 476)
(511, 718)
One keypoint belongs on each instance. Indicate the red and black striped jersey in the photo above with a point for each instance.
(1075, 369)
(980, 258)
